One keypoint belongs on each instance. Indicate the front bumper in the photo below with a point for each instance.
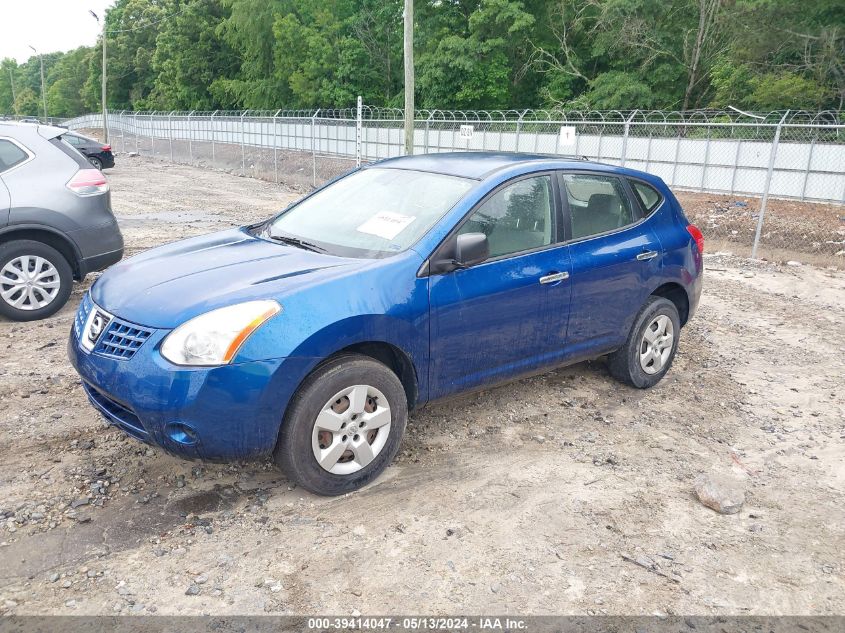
(225, 413)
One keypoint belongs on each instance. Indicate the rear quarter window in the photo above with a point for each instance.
(10, 155)
(70, 150)
(648, 196)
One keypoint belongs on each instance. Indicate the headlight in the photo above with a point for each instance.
(214, 338)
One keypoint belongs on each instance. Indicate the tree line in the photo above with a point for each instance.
(470, 54)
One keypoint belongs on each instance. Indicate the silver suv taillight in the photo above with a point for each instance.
(88, 182)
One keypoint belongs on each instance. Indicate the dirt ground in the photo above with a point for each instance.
(532, 498)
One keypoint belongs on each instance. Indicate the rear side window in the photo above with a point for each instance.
(648, 195)
(10, 155)
(597, 204)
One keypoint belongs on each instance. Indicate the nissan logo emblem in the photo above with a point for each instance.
(97, 325)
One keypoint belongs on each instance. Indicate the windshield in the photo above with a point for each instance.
(370, 213)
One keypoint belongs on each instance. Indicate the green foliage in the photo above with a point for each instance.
(618, 90)
(472, 54)
(7, 66)
(477, 68)
(27, 102)
(64, 97)
(189, 56)
(777, 91)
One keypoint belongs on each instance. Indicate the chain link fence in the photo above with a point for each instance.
(773, 183)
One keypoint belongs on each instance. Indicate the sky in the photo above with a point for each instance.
(48, 25)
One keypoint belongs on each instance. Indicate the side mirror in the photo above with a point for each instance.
(471, 248)
(464, 251)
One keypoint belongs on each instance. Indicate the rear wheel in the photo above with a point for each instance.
(650, 349)
(35, 280)
(343, 426)
(96, 162)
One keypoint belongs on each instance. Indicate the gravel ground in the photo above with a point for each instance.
(563, 493)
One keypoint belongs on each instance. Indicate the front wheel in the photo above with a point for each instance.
(343, 427)
(650, 349)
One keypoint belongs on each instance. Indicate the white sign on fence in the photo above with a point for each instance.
(466, 131)
(567, 136)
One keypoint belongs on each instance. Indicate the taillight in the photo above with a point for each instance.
(88, 182)
(698, 236)
(105, 148)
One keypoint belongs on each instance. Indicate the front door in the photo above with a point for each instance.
(504, 316)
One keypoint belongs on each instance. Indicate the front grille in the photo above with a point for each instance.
(121, 339)
(115, 413)
(82, 316)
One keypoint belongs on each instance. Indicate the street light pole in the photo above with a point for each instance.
(43, 93)
(103, 95)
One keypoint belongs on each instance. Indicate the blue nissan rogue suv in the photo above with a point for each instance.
(311, 335)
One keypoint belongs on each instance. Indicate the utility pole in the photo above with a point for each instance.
(103, 95)
(43, 92)
(409, 77)
(14, 97)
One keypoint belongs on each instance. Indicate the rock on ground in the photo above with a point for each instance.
(723, 494)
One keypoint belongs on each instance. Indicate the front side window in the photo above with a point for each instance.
(373, 212)
(518, 217)
(597, 204)
(10, 155)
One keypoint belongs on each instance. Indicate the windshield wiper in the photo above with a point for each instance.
(295, 241)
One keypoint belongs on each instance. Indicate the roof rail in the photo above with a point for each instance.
(579, 157)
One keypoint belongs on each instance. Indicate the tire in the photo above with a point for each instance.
(96, 162)
(332, 396)
(643, 360)
(55, 282)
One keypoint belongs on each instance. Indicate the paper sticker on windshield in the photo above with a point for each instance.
(386, 224)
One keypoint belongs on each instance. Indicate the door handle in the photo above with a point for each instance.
(647, 255)
(554, 277)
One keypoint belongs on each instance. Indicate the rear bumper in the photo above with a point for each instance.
(694, 292)
(101, 246)
(107, 159)
(100, 262)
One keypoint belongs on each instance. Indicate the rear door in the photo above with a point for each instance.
(614, 255)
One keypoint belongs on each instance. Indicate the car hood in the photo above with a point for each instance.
(166, 286)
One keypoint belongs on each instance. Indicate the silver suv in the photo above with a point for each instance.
(56, 221)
